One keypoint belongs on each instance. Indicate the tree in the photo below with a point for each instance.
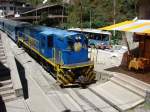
(99, 12)
(144, 9)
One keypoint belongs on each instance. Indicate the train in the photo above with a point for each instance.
(62, 53)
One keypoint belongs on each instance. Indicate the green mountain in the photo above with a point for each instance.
(95, 13)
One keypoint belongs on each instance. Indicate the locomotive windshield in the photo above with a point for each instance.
(77, 43)
(70, 43)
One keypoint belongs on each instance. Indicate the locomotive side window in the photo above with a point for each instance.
(43, 42)
(70, 44)
(50, 42)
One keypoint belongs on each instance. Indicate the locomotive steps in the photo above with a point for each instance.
(2, 53)
(6, 87)
(6, 91)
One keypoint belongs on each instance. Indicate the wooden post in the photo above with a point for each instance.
(147, 98)
(129, 51)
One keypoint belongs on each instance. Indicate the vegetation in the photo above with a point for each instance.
(95, 13)
(99, 12)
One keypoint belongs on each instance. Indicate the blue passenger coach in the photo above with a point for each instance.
(11, 28)
(64, 54)
(2, 23)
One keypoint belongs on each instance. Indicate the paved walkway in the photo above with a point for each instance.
(17, 106)
(118, 96)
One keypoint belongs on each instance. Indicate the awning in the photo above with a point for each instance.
(138, 26)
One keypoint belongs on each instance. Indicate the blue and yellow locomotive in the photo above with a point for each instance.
(64, 54)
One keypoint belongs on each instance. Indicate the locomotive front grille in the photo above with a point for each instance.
(83, 75)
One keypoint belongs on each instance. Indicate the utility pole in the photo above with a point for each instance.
(114, 7)
(62, 19)
(36, 10)
(81, 14)
(90, 18)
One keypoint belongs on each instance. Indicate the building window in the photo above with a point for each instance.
(11, 8)
(4, 8)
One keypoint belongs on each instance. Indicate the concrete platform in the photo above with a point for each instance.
(117, 96)
(64, 102)
(83, 104)
(16, 106)
(132, 81)
(38, 101)
(128, 86)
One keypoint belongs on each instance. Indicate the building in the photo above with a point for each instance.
(50, 15)
(10, 7)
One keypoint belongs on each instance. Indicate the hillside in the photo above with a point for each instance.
(99, 12)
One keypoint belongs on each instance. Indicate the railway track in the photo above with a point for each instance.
(93, 108)
(90, 101)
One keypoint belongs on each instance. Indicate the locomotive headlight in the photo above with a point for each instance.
(102, 43)
(78, 38)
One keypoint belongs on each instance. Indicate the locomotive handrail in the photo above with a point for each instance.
(28, 38)
(60, 56)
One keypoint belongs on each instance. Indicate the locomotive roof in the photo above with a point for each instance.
(16, 23)
(59, 32)
(40, 28)
(3, 19)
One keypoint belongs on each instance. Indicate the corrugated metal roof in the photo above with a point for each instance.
(90, 30)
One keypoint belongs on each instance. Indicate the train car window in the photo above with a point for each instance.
(97, 37)
(105, 37)
(50, 41)
(11, 8)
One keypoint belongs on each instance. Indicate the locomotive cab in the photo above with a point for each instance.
(76, 49)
